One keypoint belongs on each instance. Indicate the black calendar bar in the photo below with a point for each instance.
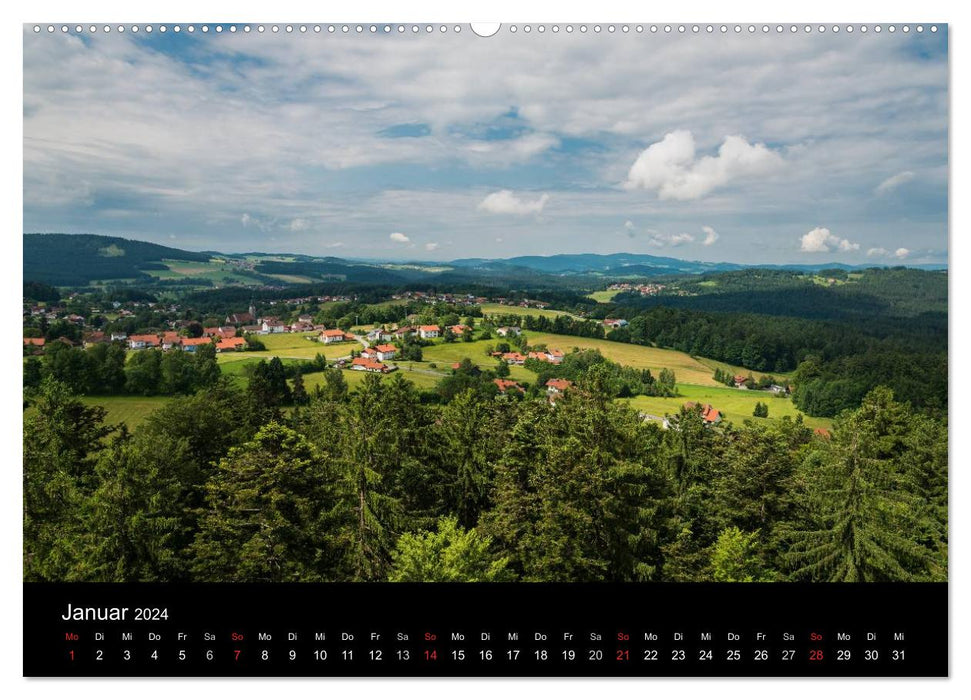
(637, 630)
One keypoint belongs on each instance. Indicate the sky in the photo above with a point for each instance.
(750, 148)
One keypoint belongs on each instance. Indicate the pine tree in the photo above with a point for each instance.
(63, 438)
(268, 509)
(450, 554)
(861, 508)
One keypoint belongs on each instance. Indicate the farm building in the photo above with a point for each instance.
(615, 322)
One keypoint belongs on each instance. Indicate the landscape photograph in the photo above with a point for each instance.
(395, 304)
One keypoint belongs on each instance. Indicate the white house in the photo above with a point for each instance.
(385, 352)
(272, 325)
(334, 335)
(429, 331)
(506, 331)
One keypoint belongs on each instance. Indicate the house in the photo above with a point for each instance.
(739, 381)
(301, 327)
(557, 386)
(823, 433)
(231, 344)
(429, 331)
(506, 331)
(404, 332)
(334, 335)
(305, 318)
(506, 385)
(364, 364)
(513, 358)
(170, 339)
(458, 329)
(94, 338)
(140, 342)
(241, 319)
(272, 325)
(555, 356)
(119, 336)
(255, 328)
(36, 342)
(192, 344)
(386, 352)
(374, 334)
(709, 414)
(615, 322)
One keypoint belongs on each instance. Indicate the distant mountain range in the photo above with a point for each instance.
(80, 259)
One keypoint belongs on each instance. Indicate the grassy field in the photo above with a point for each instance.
(419, 375)
(131, 410)
(735, 405)
(734, 369)
(604, 296)
(445, 354)
(290, 345)
(217, 271)
(488, 309)
(686, 369)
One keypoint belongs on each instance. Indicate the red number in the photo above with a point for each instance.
(431, 655)
(623, 655)
(815, 654)
(237, 654)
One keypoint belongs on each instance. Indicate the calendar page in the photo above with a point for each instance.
(538, 349)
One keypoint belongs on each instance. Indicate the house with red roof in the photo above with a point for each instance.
(385, 352)
(364, 364)
(36, 342)
(557, 386)
(231, 344)
(506, 385)
(334, 335)
(709, 414)
(429, 331)
(141, 342)
(513, 358)
(192, 344)
(171, 339)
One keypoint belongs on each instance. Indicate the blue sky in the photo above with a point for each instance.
(746, 148)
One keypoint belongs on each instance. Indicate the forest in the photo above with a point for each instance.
(373, 484)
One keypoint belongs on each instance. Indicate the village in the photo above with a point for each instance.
(377, 348)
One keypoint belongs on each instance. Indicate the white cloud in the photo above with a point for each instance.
(299, 225)
(821, 240)
(431, 246)
(900, 253)
(670, 167)
(245, 219)
(668, 240)
(711, 235)
(893, 182)
(399, 238)
(505, 202)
